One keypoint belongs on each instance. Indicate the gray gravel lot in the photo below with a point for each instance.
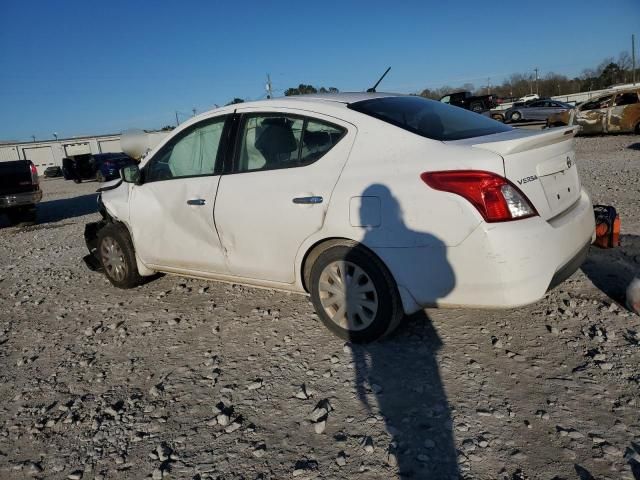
(189, 379)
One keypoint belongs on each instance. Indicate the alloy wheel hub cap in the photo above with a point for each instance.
(348, 295)
(113, 259)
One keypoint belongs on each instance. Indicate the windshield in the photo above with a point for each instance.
(429, 118)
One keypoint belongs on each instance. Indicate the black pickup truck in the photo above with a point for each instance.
(19, 191)
(466, 100)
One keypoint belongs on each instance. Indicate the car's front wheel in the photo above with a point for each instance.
(117, 256)
(516, 116)
(354, 294)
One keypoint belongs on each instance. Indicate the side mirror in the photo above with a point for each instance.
(131, 174)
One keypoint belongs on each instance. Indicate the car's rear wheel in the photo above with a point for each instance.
(498, 118)
(354, 294)
(100, 177)
(516, 116)
(116, 254)
(77, 180)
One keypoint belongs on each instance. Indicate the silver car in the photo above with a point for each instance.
(538, 110)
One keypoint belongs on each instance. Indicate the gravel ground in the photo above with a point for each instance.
(183, 378)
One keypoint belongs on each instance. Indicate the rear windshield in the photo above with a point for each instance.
(429, 118)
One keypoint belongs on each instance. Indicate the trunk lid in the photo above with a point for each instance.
(541, 164)
(15, 177)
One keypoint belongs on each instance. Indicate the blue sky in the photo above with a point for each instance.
(86, 67)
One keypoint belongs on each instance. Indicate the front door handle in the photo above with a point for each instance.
(307, 200)
(197, 201)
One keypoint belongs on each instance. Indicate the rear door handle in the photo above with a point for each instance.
(197, 201)
(307, 200)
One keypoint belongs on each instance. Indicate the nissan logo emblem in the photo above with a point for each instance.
(568, 162)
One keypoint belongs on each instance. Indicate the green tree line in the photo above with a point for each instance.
(609, 72)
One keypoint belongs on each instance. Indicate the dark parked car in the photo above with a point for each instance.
(52, 172)
(101, 166)
(19, 191)
(536, 110)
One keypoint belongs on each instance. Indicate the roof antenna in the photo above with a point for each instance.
(373, 89)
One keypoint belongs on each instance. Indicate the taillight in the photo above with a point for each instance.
(494, 196)
(34, 174)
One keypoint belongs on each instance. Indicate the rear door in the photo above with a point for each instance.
(278, 191)
(624, 113)
(535, 111)
(171, 213)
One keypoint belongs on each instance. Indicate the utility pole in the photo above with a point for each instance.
(34, 138)
(268, 87)
(536, 70)
(177, 121)
(633, 57)
(488, 85)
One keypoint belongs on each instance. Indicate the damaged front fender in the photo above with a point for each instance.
(92, 260)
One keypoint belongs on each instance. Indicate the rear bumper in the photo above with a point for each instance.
(20, 199)
(498, 265)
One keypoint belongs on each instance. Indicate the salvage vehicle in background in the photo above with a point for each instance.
(617, 112)
(468, 101)
(377, 205)
(536, 110)
(19, 191)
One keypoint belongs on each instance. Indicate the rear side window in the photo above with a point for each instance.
(628, 98)
(428, 118)
(272, 140)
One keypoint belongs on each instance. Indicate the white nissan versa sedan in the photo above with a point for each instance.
(376, 204)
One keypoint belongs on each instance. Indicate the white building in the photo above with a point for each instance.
(51, 152)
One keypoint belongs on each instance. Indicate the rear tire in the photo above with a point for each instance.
(498, 118)
(77, 180)
(354, 294)
(100, 177)
(117, 256)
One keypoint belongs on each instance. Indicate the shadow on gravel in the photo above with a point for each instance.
(634, 146)
(63, 209)
(611, 270)
(401, 373)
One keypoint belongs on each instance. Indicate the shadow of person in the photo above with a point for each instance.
(611, 270)
(398, 378)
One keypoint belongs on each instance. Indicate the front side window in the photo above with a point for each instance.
(270, 141)
(194, 152)
(428, 118)
(601, 102)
